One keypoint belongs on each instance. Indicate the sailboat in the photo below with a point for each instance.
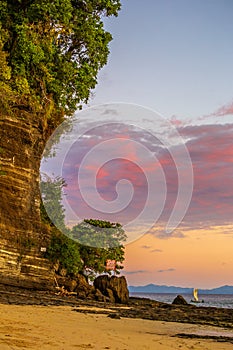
(195, 297)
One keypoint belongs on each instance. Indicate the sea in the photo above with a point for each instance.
(213, 300)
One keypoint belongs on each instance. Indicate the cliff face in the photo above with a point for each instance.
(21, 238)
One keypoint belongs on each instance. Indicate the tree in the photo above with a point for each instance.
(88, 246)
(51, 52)
(65, 252)
(99, 241)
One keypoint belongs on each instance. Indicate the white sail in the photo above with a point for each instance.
(195, 294)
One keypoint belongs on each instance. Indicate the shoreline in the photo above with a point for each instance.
(141, 308)
(32, 319)
(60, 327)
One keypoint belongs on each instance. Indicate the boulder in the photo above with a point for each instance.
(81, 295)
(110, 295)
(99, 296)
(83, 288)
(102, 283)
(179, 300)
(68, 283)
(71, 285)
(81, 281)
(117, 286)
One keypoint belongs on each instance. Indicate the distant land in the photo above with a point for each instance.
(153, 288)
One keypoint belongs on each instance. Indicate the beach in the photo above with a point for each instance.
(60, 327)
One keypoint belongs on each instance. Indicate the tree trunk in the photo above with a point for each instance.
(22, 140)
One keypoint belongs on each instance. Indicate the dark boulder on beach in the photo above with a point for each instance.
(115, 288)
(179, 300)
(102, 283)
(110, 295)
(68, 283)
(120, 290)
(105, 288)
(99, 296)
(83, 288)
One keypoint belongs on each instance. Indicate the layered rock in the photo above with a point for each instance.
(28, 270)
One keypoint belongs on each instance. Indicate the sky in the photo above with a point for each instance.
(172, 56)
(171, 59)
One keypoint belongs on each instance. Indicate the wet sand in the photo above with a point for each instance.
(61, 328)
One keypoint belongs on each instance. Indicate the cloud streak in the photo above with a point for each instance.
(135, 272)
(166, 270)
(222, 111)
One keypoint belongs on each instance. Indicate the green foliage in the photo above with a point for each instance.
(52, 210)
(99, 233)
(87, 247)
(6, 92)
(51, 51)
(64, 250)
(61, 249)
(99, 241)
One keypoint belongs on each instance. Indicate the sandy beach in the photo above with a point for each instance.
(61, 328)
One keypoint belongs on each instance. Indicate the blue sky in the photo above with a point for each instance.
(172, 56)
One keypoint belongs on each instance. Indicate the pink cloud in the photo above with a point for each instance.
(220, 112)
(175, 121)
(102, 173)
(211, 151)
(224, 110)
(212, 156)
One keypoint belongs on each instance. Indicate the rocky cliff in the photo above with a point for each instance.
(22, 141)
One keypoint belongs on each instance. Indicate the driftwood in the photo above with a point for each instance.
(62, 291)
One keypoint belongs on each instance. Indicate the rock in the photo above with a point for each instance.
(22, 140)
(119, 288)
(117, 285)
(68, 283)
(114, 315)
(83, 288)
(102, 283)
(81, 295)
(179, 300)
(81, 282)
(99, 296)
(71, 285)
(110, 295)
(62, 271)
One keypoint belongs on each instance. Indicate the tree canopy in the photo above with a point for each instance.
(99, 233)
(51, 52)
(86, 247)
(99, 241)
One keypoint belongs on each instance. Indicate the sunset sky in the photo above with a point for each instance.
(174, 57)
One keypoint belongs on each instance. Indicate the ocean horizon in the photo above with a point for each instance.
(210, 300)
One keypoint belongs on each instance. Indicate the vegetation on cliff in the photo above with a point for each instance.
(66, 253)
(50, 54)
